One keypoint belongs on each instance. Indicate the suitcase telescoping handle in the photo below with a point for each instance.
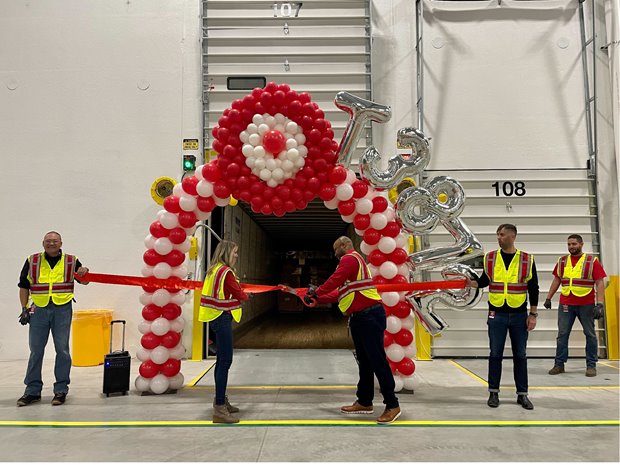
(112, 331)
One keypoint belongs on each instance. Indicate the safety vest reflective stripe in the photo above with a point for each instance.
(223, 305)
(578, 282)
(35, 263)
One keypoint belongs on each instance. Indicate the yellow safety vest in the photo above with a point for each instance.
(47, 282)
(577, 279)
(508, 285)
(213, 301)
(363, 285)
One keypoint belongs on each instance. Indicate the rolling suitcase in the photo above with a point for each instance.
(116, 367)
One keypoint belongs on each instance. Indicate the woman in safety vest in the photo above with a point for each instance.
(220, 303)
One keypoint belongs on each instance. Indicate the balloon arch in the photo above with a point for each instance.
(276, 151)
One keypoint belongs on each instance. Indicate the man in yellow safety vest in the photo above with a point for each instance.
(47, 281)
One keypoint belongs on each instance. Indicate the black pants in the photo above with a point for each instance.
(367, 330)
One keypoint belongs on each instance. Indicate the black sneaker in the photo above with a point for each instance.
(27, 399)
(59, 398)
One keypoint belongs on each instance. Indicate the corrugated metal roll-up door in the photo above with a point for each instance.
(317, 46)
(546, 206)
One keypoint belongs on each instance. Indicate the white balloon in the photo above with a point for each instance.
(187, 204)
(402, 241)
(393, 324)
(183, 246)
(143, 354)
(178, 352)
(291, 143)
(177, 325)
(190, 231)
(204, 188)
(163, 246)
(388, 269)
(287, 166)
(292, 154)
(162, 270)
(147, 271)
(348, 218)
(410, 350)
(263, 128)
(198, 172)
(144, 327)
(170, 220)
(300, 138)
(359, 232)
(259, 151)
(344, 192)
(160, 354)
(302, 149)
(378, 221)
(278, 174)
(395, 353)
(161, 297)
(178, 298)
(270, 164)
(387, 244)
(160, 326)
(247, 150)
(408, 382)
(351, 178)
(389, 213)
(300, 162)
(389, 298)
(256, 119)
(363, 206)
(221, 202)
(291, 127)
(332, 204)
(250, 162)
(265, 174)
(272, 183)
(403, 270)
(149, 241)
(408, 322)
(398, 383)
(180, 271)
(366, 248)
(146, 298)
(159, 384)
(176, 381)
(374, 270)
(201, 216)
(177, 190)
(254, 139)
(142, 384)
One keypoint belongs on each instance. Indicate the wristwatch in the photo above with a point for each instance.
(533, 314)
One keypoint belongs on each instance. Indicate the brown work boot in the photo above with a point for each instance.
(357, 408)
(556, 370)
(221, 415)
(590, 372)
(389, 415)
(231, 408)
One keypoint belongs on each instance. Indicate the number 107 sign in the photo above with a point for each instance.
(286, 10)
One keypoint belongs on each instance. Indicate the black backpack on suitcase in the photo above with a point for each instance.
(116, 367)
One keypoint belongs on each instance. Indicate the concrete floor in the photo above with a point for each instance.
(290, 401)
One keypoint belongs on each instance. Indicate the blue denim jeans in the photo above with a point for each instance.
(222, 327)
(500, 325)
(57, 319)
(566, 318)
(367, 330)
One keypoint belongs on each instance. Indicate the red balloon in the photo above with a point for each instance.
(177, 235)
(189, 184)
(152, 258)
(211, 172)
(175, 258)
(392, 229)
(274, 141)
(149, 289)
(327, 192)
(401, 310)
(314, 185)
(403, 337)
(378, 280)
(361, 222)
(379, 204)
(187, 219)
(320, 165)
(149, 368)
(284, 192)
(296, 194)
(171, 311)
(371, 236)
(393, 366)
(360, 189)
(314, 136)
(150, 341)
(171, 204)
(157, 230)
(346, 207)
(338, 175)
(388, 340)
(294, 108)
(170, 339)
(277, 203)
(266, 209)
(221, 190)
(233, 171)
(171, 367)
(376, 257)
(406, 366)
(398, 256)
(289, 206)
(150, 312)
(205, 204)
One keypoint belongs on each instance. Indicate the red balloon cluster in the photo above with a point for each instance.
(237, 178)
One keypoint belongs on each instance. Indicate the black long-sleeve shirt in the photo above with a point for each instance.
(23, 276)
(532, 287)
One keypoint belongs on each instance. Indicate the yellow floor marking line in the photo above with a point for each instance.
(470, 373)
(608, 365)
(199, 377)
(568, 388)
(275, 387)
(203, 423)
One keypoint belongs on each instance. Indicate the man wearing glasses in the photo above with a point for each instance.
(47, 281)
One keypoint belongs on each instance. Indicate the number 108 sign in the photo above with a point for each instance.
(509, 188)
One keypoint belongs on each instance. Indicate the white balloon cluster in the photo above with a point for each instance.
(273, 168)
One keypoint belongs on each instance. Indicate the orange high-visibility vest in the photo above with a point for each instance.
(51, 283)
(363, 284)
(577, 279)
(213, 301)
(508, 285)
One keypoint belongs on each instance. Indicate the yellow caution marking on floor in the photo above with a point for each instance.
(470, 373)
(608, 365)
(205, 423)
(200, 376)
(277, 387)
